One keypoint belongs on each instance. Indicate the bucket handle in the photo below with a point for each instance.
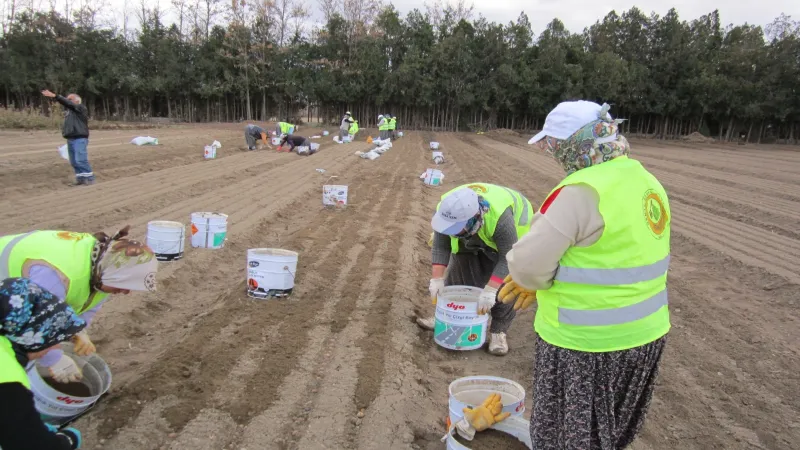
(286, 268)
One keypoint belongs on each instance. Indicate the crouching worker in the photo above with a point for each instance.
(294, 142)
(252, 133)
(81, 269)
(285, 128)
(32, 321)
(475, 226)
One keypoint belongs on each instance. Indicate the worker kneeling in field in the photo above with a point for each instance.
(252, 133)
(82, 269)
(475, 226)
(596, 260)
(295, 142)
(32, 321)
(285, 128)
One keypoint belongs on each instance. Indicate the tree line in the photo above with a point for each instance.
(439, 69)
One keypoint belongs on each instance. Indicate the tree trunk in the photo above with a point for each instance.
(760, 131)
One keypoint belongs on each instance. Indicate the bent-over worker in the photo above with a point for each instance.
(295, 141)
(285, 128)
(82, 269)
(252, 133)
(475, 226)
(32, 321)
(596, 260)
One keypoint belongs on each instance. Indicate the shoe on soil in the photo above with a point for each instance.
(498, 345)
(77, 182)
(426, 323)
(88, 182)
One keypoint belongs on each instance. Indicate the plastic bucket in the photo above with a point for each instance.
(434, 145)
(472, 391)
(209, 229)
(325, 133)
(514, 426)
(166, 239)
(270, 272)
(57, 407)
(314, 146)
(399, 134)
(458, 326)
(209, 152)
(438, 157)
(433, 177)
(334, 195)
(276, 141)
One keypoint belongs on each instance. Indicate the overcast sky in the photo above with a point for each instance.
(576, 14)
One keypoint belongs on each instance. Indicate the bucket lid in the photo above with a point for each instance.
(165, 223)
(271, 252)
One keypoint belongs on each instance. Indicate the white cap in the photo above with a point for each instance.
(567, 118)
(455, 211)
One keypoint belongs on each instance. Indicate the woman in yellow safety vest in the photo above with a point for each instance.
(353, 129)
(82, 269)
(31, 320)
(475, 226)
(286, 128)
(595, 260)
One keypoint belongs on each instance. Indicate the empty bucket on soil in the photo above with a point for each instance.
(209, 152)
(270, 272)
(434, 145)
(276, 141)
(209, 229)
(334, 195)
(472, 391)
(432, 177)
(458, 325)
(166, 238)
(58, 403)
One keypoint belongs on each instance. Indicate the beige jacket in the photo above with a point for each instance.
(572, 217)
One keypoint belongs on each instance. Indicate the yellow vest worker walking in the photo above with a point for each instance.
(596, 256)
(475, 226)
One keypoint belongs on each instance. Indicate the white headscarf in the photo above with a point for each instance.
(129, 264)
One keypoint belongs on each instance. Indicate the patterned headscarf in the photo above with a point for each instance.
(123, 263)
(33, 318)
(595, 143)
(476, 222)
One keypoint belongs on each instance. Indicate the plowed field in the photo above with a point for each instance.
(199, 365)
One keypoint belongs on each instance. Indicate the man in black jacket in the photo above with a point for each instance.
(76, 132)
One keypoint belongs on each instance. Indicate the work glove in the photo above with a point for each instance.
(65, 370)
(73, 435)
(435, 288)
(510, 291)
(482, 417)
(487, 300)
(264, 137)
(83, 345)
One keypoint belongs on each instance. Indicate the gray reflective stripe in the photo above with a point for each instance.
(615, 277)
(523, 220)
(5, 256)
(613, 316)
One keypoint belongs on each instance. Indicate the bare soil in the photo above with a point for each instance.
(199, 365)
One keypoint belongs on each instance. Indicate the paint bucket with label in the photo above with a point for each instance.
(270, 272)
(209, 152)
(434, 145)
(334, 195)
(276, 141)
(458, 325)
(56, 407)
(166, 239)
(472, 391)
(432, 177)
(209, 229)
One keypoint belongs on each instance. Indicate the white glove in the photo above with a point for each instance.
(487, 300)
(435, 288)
(65, 370)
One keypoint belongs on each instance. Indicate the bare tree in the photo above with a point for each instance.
(330, 7)
(448, 13)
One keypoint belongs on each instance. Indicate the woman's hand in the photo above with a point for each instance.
(512, 292)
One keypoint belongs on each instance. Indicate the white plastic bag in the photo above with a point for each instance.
(144, 140)
(63, 152)
(301, 150)
(216, 144)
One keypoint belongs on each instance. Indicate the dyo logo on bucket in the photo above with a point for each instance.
(253, 264)
(68, 400)
(455, 307)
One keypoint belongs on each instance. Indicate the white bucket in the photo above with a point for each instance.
(57, 407)
(334, 195)
(517, 427)
(399, 134)
(432, 177)
(472, 391)
(166, 239)
(314, 146)
(347, 139)
(434, 145)
(270, 272)
(276, 141)
(438, 157)
(209, 229)
(458, 325)
(325, 133)
(209, 152)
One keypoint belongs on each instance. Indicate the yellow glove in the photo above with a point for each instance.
(430, 241)
(511, 291)
(83, 345)
(486, 415)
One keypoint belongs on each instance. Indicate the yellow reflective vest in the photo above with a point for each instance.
(10, 369)
(612, 295)
(383, 125)
(68, 253)
(286, 128)
(392, 123)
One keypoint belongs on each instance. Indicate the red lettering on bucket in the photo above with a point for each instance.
(69, 400)
(454, 306)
